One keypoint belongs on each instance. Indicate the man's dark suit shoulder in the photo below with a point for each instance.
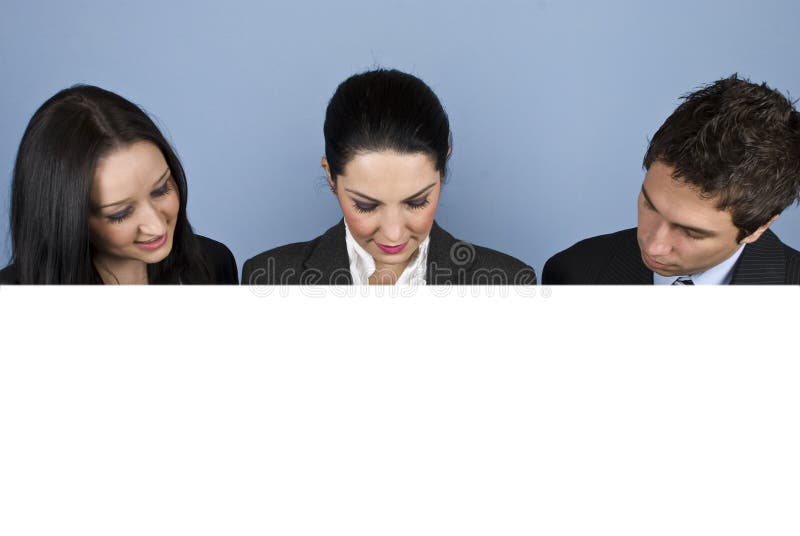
(582, 263)
(792, 265)
(8, 275)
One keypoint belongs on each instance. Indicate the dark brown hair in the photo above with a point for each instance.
(56, 161)
(737, 142)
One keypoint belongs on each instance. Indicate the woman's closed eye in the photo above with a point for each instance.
(418, 203)
(363, 207)
(161, 190)
(120, 216)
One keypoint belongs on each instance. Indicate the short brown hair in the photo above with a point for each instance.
(738, 142)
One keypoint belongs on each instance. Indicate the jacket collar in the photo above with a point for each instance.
(626, 263)
(761, 263)
(446, 255)
(329, 257)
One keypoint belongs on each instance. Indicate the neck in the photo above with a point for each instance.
(121, 271)
(389, 274)
(386, 274)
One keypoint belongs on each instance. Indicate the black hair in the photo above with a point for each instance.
(738, 142)
(385, 110)
(50, 193)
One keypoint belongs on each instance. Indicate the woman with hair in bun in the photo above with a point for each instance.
(387, 142)
(99, 196)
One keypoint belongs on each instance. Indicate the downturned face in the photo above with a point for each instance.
(389, 202)
(680, 231)
(135, 206)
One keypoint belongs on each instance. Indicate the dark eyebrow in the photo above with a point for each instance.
(409, 198)
(428, 187)
(697, 230)
(166, 172)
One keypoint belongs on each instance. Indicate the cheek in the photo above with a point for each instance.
(361, 225)
(645, 218)
(422, 220)
(171, 206)
(108, 236)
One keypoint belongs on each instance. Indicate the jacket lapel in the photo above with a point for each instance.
(449, 260)
(328, 260)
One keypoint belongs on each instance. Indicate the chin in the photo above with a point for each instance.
(159, 256)
(667, 273)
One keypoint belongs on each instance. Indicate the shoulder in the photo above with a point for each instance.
(583, 261)
(220, 260)
(481, 264)
(767, 261)
(792, 265)
(8, 275)
(490, 260)
(275, 265)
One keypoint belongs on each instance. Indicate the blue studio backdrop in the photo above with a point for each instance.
(551, 102)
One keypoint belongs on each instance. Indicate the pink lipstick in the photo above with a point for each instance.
(154, 244)
(392, 250)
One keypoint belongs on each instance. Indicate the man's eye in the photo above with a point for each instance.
(692, 234)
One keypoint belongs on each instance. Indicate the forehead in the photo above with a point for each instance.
(126, 172)
(389, 172)
(682, 203)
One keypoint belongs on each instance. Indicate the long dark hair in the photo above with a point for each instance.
(385, 110)
(53, 173)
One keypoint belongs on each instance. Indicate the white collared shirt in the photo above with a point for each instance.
(362, 265)
(721, 274)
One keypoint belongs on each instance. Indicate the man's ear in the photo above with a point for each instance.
(755, 235)
(326, 167)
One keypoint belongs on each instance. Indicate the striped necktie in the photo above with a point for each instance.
(683, 280)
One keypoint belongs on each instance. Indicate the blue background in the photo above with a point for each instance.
(551, 102)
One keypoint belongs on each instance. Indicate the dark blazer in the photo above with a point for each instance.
(615, 259)
(324, 261)
(219, 258)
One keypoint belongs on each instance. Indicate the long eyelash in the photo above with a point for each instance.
(363, 210)
(164, 190)
(414, 205)
(119, 219)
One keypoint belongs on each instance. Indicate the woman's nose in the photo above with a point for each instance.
(392, 227)
(152, 222)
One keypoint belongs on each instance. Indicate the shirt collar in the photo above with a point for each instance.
(721, 274)
(362, 265)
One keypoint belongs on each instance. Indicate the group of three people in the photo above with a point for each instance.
(99, 196)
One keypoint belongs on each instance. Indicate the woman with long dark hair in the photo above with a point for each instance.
(387, 142)
(99, 196)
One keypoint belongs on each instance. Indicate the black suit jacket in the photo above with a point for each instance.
(615, 259)
(324, 261)
(219, 258)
